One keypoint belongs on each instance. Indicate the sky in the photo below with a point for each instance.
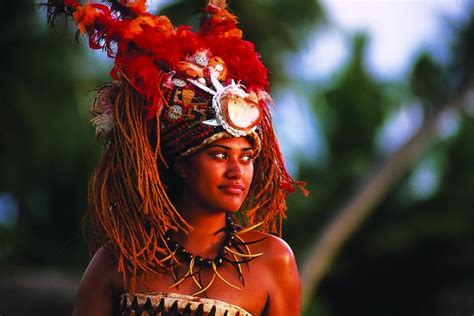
(398, 30)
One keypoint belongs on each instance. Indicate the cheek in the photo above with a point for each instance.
(248, 176)
(202, 175)
(250, 173)
(196, 186)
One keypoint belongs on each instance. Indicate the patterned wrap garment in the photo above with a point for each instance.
(172, 304)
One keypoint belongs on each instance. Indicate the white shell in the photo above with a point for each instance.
(219, 93)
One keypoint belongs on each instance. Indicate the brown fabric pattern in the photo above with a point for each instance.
(172, 304)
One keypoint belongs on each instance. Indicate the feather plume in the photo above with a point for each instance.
(218, 3)
(57, 8)
(128, 9)
(217, 21)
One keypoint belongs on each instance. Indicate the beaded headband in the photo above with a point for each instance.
(203, 105)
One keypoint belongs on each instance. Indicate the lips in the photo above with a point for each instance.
(234, 189)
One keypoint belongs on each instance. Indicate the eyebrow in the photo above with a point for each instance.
(229, 148)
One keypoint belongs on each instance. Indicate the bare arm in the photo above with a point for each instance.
(284, 296)
(95, 295)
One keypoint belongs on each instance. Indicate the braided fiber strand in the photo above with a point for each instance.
(129, 208)
(271, 183)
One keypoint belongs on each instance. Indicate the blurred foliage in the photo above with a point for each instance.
(429, 83)
(413, 256)
(45, 139)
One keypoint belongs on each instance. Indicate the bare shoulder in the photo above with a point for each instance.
(99, 285)
(102, 259)
(102, 269)
(278, 273)
(276, 251)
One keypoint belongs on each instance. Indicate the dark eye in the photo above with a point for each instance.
(247, 158)
(220, 155)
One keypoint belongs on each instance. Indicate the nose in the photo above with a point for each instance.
(234, 170)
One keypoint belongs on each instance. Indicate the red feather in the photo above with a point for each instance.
(146, 47)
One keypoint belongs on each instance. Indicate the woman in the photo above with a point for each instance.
(191, 179)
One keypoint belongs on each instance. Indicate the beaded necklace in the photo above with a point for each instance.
(234, 251)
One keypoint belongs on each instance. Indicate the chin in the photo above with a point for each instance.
(231, 208)
(228, 204)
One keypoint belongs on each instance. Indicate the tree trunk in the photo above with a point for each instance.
(366, 197)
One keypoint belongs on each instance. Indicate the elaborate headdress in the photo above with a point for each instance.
(174, 91)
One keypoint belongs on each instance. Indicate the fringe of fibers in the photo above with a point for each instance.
(129, 208)
(271, 183)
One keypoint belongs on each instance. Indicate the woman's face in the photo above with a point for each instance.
(218, 177)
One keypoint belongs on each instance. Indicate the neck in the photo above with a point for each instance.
(203, 220)
(202, 238)
(204, 224)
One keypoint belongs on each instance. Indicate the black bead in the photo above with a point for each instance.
(198, 260)
(228, 243)
(232, 229)
(173, 245)
(218, 261)
(180, 251)
(188, 256)
(207, 262)
(222, 252)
